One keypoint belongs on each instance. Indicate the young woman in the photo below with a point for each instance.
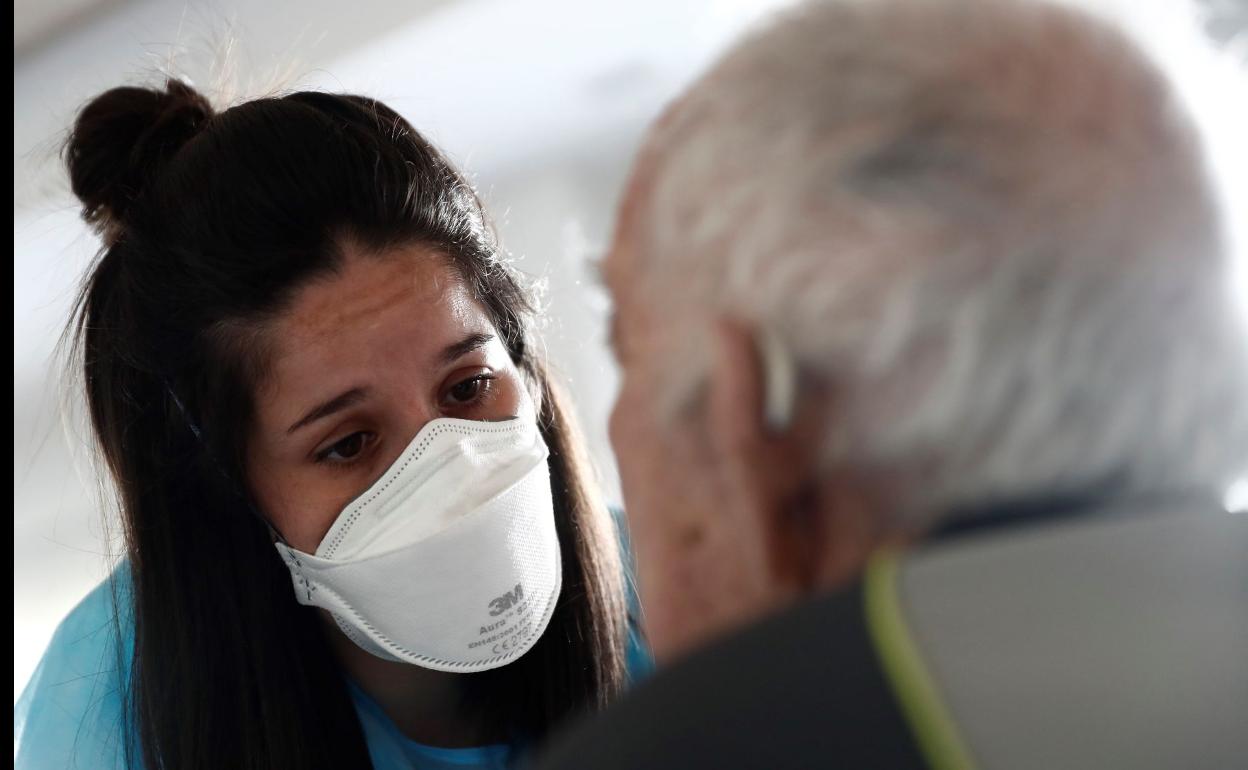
(359, 524)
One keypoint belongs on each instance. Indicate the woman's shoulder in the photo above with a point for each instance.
(109, 600)
(70, 713)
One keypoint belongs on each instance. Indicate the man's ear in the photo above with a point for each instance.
(765, 464)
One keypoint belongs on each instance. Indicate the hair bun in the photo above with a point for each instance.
(122, 140)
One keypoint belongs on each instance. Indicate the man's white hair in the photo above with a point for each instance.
(986, 227)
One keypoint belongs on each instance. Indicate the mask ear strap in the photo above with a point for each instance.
(199, 436)
(277, 536)
(779, 379)
(186, 414)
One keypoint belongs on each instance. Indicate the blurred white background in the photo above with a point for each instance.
(543, 102)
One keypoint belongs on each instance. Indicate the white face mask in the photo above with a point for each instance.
(450, 560)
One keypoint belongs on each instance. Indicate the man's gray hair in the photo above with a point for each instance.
(987, 227)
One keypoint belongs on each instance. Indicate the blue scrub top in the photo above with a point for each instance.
(70, 714)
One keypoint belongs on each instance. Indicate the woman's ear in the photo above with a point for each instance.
(764, 450)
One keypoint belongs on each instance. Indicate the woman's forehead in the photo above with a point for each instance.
(412, 282)
(406, 304)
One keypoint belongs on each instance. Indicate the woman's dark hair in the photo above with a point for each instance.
(211, 223)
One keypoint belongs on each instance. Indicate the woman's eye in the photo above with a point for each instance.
(347, 449)
(469, 390)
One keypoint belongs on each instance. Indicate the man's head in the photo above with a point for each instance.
(984, 235)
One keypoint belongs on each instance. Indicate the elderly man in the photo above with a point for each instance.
(932, 387)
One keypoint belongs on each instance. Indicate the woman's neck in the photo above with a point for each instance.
(426, 705)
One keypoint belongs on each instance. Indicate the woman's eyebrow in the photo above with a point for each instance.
(335, 404)
(355, 395)
(464, 347)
